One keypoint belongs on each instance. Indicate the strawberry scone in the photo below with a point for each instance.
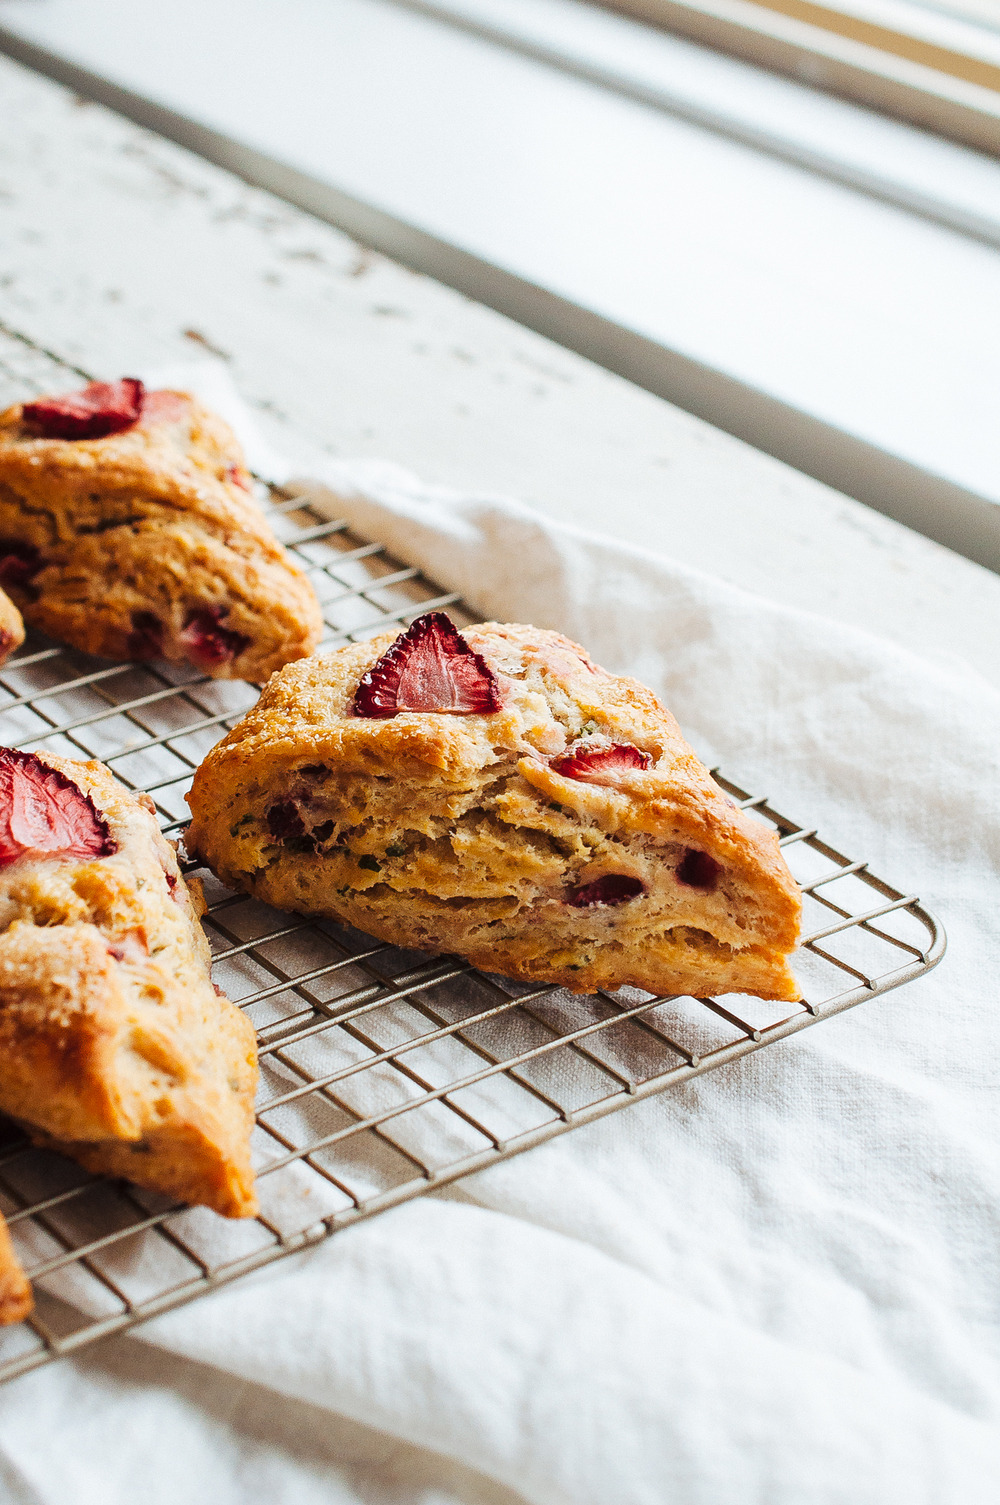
(128, 529)
(115, 1047)
(495, 794)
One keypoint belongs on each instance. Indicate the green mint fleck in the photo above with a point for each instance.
(395, 851)
(241, 822)
(588, 729)
(370, 864)
(345, 890)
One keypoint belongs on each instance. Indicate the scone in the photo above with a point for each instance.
(11, 625)
(127, 529)
(497, 795)
(115, 1047)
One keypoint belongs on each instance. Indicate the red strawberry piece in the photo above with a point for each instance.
(208, 643)
(238, 476)
(146, 638)
(593, 764)
(105, 407)
(19, 563)
(698, 870)
(163, 407)
(42, 811)
(430, 667)
(613, 888)
(284, 820)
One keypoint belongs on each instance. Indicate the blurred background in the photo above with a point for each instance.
(783, 217)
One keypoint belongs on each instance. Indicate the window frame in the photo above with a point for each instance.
(886, 68)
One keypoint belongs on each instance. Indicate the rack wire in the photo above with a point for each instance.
(384, 1074)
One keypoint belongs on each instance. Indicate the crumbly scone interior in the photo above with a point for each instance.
(114, 1045)
(117, 544)
(456, 833)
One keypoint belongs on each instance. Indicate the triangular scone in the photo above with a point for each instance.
(146, 542)
(568, 835)
(114, 1045)
(11, 627)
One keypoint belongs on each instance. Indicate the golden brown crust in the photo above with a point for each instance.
(456, 833)
(114, 1045)
(16, 1300)
(137, 531)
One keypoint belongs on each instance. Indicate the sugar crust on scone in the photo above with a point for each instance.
(117, 544)
(455, 833)
(115, 1047)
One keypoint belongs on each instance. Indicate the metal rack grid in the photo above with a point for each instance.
(385, 1074)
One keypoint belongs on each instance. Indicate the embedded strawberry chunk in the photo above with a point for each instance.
(19, 563)
(239, 477)
(164, 407)
(207, 642)
(104, 407)
(42, 812)
(612, 888)
(146, 638)
(698, 870)
(594, 764)
(430, 667)
(284, 820)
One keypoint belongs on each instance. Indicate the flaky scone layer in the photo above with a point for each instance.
(115, 1047)
(455, 833)
(121, 545)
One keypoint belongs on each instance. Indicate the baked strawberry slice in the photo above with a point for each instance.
(698, 870)
(146, 638)
(239, 476)
(43, 812)
(103, 407)
(19, 562)
(593, 763)
(430, 667)
(207, 642)
(612, 888)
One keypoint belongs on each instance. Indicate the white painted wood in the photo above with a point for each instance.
(880, 326)
(118, 249)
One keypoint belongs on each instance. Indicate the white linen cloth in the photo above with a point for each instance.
(776, 1285)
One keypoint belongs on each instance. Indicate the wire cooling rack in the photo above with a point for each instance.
(384, 1073)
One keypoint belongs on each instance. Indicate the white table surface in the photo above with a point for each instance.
(120, 249)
